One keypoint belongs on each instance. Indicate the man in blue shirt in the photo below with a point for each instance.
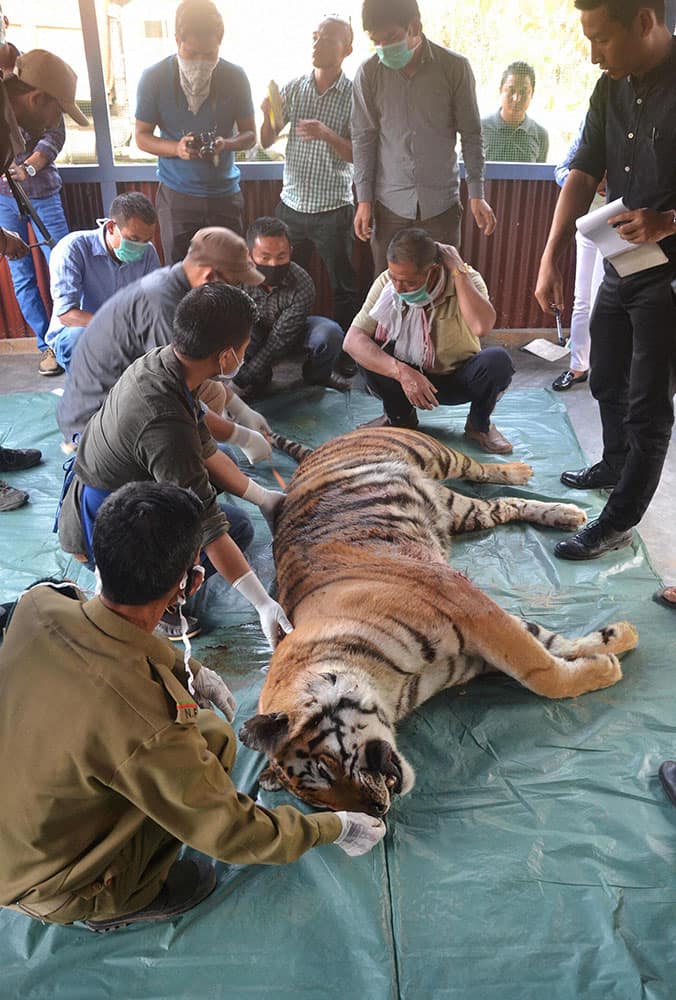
(88, 267)
(186, 96)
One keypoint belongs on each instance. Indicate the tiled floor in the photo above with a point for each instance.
(18, 373)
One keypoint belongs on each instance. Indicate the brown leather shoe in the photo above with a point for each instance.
(384, 421)
(491, 440)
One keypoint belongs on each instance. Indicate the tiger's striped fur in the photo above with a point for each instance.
(382, 622)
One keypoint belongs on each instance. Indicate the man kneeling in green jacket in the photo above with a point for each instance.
(129, 764)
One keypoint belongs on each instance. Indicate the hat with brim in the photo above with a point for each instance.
(227, 252)
(43, 70)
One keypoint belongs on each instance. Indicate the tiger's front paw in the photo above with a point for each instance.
(568, 517)
(517, 473)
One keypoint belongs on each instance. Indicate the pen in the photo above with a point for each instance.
(559, 331)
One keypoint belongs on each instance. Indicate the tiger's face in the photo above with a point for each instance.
(337, 752)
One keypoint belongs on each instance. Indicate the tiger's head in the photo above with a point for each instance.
(336, 750)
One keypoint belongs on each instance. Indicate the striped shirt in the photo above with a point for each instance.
(316, 178)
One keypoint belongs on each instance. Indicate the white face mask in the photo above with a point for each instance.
(235, 370)
(195, 76)
(187, 647)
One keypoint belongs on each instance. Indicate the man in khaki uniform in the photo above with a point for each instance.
(128, 767)
(418, 338)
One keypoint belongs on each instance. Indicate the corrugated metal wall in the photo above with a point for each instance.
(508, 260)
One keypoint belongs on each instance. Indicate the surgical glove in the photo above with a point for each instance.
(267, 500)
(244, 415)
(360, 833)
(210, 689)
(253, 444)
(271, 616)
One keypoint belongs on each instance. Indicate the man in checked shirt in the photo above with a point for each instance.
(284, 326)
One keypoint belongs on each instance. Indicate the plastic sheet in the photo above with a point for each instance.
(534, 858)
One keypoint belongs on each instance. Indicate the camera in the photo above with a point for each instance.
(204, 143)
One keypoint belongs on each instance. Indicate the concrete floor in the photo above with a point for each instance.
(18, 373)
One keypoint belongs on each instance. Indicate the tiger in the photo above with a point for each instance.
(381, 620)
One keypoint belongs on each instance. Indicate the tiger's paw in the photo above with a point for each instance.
(567, 517)
(619, 637)
(517, 473)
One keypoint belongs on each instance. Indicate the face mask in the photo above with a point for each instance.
(196, 73)
(418, 297)
(184, 586)
(129, 251)
(234, 371)
(396, 56)
(274, 274)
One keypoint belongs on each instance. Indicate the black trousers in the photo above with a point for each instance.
(332, 234)
(480, 381)
(633, 378)
(181, 215)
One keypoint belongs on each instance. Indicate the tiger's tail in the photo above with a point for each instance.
(292, 448)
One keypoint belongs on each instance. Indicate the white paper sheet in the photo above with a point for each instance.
(626, 258)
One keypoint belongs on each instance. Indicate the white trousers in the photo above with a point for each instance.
(588, 277)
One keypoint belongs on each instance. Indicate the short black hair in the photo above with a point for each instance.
(132, 205)
(376, 14)
(519, 69)
(624, 11)
(413, 245)
(211, 318)
(199, 18)
(145, 537)
(267, 225)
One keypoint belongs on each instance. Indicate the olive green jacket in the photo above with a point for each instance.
(96, 735)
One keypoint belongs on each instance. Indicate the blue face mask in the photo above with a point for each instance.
(418, 297)
(129, 251)
(395, 56)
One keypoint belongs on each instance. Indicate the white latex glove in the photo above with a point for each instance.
(253, 444)
(271, 616)
(210, 689)
(360, 833)
(267, 500)
(244, 415)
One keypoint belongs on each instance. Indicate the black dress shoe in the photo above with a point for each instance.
(596, 477)
(16, 459)
(592, 541)
(667, 773)
(568, 378)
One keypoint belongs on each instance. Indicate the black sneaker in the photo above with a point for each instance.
(18, 459)
(188, 883)
(170, 627)
(10, 498)
(592, 541)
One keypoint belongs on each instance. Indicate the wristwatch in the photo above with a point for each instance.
(30, 169)
(461, 269)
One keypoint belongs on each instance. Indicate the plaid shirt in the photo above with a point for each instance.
(282, 317)
(316, 178)
(46, 181)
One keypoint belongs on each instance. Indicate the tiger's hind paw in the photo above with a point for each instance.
(619, 637)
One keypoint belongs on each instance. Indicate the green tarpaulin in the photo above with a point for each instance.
(534, 859)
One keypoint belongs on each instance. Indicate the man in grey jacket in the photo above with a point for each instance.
(409, 102)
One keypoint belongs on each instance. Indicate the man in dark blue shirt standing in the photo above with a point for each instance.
(195, 100)
(630, 133)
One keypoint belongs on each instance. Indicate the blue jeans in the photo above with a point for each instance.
(23, 272)
(63, 344)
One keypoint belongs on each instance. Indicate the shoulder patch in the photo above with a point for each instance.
(186, 712)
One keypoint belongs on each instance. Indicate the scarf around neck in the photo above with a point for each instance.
(408, 326)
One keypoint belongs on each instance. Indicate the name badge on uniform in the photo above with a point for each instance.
(186, 712)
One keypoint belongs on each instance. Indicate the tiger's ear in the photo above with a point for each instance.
(265, 733)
